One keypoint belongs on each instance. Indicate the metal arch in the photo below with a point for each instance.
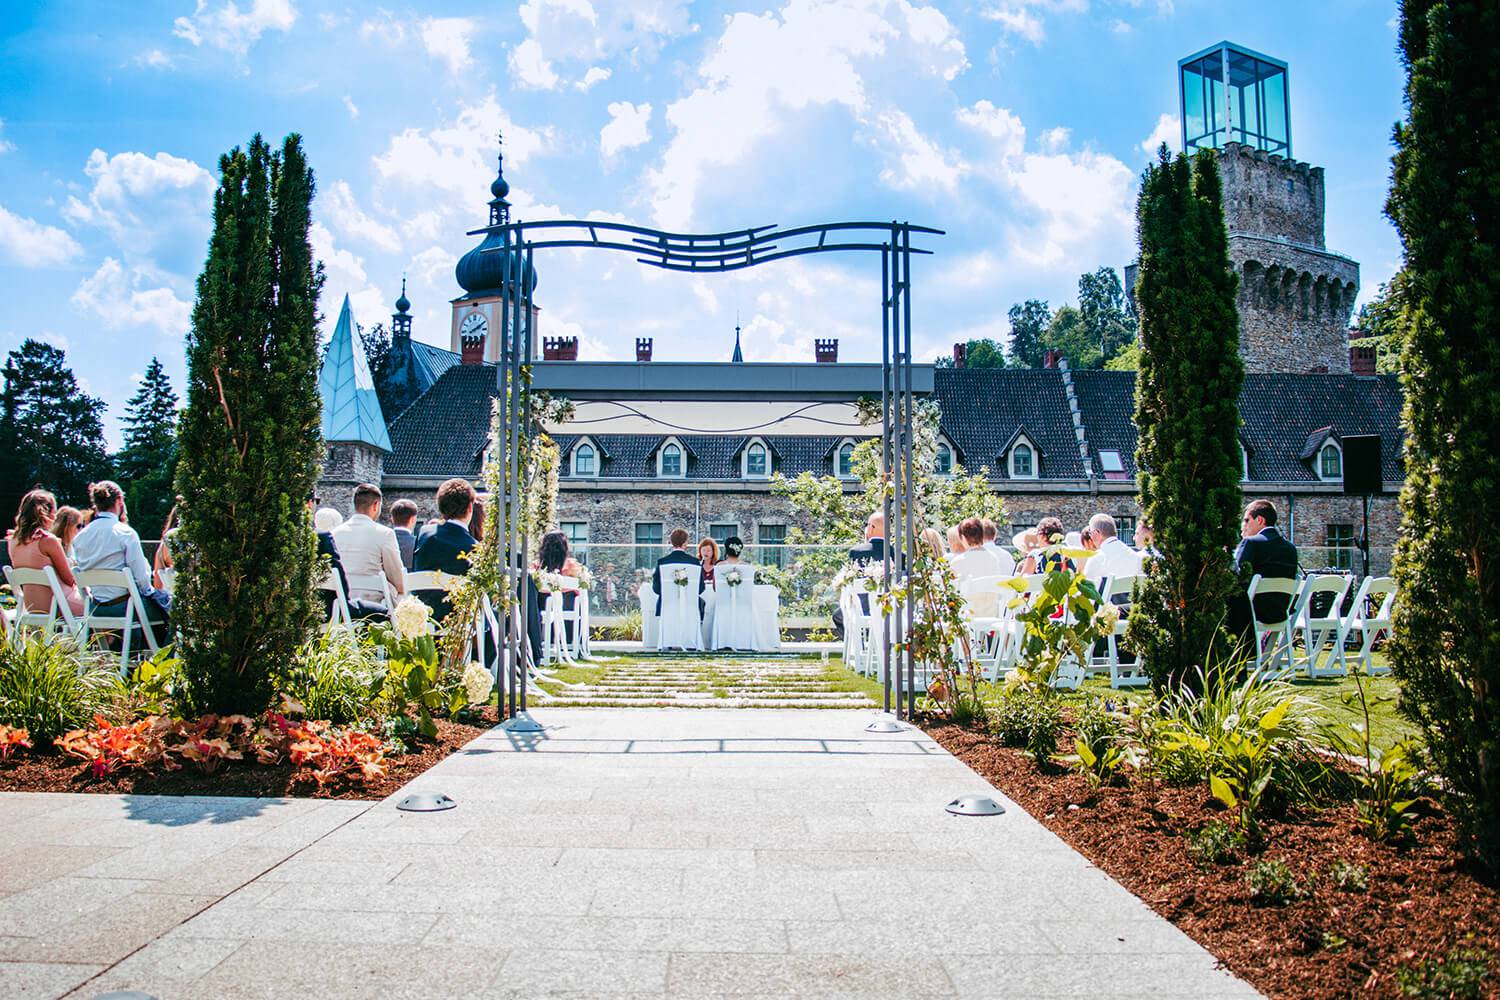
(716, 253)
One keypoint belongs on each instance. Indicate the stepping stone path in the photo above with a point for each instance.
(710, 681)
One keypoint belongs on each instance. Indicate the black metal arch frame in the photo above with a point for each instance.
(706, 253)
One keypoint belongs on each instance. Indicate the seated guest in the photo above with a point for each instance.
(1112, 557)
(163, 559)
(327, 518)
(679, 556)
(476, 520)
(974, 559)
(553, 557)
(991, 534)
(1264, 551)
(360, 610)
(443, 547)
(708, 554)
(109, 543)
(1044, 559)
(403, 516)
(873, 550)
(369, 548)
(33, 546)
(66, 526)
(932, 541)
(1145, 537)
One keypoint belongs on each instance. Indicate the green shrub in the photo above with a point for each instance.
(1348, 876)
(48, 688)
(1272, 883)
(1461, 974)
(1215, 843)
(1029, 719)
(337, 676)
(1101, 750)
(627, 629)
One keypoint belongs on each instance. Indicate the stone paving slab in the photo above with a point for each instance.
(646, 853)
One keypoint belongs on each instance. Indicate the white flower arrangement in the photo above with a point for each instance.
(585, 578)
(874, 574)
(412, 618)
(549, 583)
(477, 683)
(680, 577)
(733, 577)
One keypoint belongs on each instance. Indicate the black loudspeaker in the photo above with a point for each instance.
(1362, 465)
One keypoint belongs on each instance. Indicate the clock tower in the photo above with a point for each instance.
(485, 310)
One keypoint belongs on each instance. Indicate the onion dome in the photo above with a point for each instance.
(403, 304)
(493, 265)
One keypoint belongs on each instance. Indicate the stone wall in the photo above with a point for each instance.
(345, 467)
(1272, 196)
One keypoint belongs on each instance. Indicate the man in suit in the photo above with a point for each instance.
(1264, 551)
(327, 547)
(873, 550)
(403, 517)
(679, 556)
(369, 548)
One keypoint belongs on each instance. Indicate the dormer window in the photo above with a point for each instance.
(1331, 463)
(1022, 459)
(943, 465)
(844, 460)
(671, 460)
(757, 461)
(585, 460)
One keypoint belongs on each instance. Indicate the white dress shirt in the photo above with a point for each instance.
(1113, 559)
(107, 543)
(972, 563)
(1006, 560)
(370, 549)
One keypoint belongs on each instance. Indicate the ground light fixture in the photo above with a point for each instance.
(426, 802)
(522, 722)
(975, 805)
(884, 722)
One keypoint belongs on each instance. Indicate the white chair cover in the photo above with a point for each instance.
(649, 621)
(680, 626)
(767, 617)
(734, 615)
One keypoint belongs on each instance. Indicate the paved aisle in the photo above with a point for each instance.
(683, 853)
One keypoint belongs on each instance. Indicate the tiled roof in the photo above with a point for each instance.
(984, 408)
(431, 362)
(444, 431)
(1106, 400)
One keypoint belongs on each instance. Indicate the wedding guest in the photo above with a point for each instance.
(33, 546)
(733, 546)
(359, 610)
(403, 517)
(1264, 551)
(1145, 537)
(1112, 557)
(476, 520)
(708, 555)
(1045, 558)
(553, 556)
(109, 543)
(66, 526)
(975, 559)
(873, 550)
(444, 546)
(679, 556)
(369, 548)
(327, 518)
(162, 559)
(1004, 558)
(931, 540)
(955, 543)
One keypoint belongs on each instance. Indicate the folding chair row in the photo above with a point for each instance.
(58, 617)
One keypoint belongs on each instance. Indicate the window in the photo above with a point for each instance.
(1125, 529)
(647, 545)
(846, 461)
(720, 531)
(1330, 462)
(944, 464)
(577, 533)
(583, 460)
(671, 462)
(1341, 546)
(1022, 462)
(772, 539)
(1109, 461)
(755, 461)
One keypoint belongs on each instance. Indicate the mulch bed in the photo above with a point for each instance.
(50, 771)
(1421, 900)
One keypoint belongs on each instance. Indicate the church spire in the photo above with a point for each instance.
(351, 408)
(739, 357)
(401, 318)
(500, 187)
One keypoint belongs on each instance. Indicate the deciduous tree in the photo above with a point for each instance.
(1028, 321)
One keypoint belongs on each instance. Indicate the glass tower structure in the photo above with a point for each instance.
(1230, 93)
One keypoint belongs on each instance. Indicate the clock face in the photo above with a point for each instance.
(474, 325)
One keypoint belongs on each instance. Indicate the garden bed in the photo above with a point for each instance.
(1420, 903)
(52, 771)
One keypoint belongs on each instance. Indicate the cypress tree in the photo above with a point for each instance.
(147, 463)
(51, 432)
(1187, 412)
(1445, 200)
(250, 437)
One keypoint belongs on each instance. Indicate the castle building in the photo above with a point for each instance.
(640, 456)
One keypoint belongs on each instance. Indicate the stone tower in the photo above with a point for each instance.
(1295, 296)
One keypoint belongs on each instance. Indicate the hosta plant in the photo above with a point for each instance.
(415, 679)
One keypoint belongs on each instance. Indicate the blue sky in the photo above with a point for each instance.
(1019, 126)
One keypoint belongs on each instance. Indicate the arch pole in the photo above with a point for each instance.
(887, 463)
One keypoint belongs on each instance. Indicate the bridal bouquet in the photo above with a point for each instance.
(733, 577)
(680, 578)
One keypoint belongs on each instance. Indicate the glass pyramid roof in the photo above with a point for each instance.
(351, 410)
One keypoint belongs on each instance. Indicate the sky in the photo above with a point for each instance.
(1020, 127)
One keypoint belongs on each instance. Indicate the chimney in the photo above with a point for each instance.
(1361, 360)
(643, 348)
(472, 349)
(1050, 359)
(959, 354)
(559, 348)
(826, 351)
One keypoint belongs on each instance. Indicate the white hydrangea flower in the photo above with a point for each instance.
(411, 618)
(477, 683)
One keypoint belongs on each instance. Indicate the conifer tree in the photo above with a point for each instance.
(250, 436)
(148, 462)
(1187, 413)
(51, 432)
(1445, 201)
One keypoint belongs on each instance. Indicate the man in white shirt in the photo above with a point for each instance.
(369, 548)
(1112, 557)
(976, 559)
(1005, 559)
(107, 542)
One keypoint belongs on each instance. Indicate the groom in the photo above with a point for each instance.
(679, 556)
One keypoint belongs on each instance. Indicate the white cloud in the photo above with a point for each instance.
(1056, 138)
(531, 67)
(596, 74)
(120, 301)
(5, 147)
(629, 126)
(574, 33)
(922, 164)
(1000, 124)
(1025, 17)
(447, 38)
(344, 274)
(1081, 200)
(810, 53)
(28, 243)
(345, 213)
(351, 107)
(154, 59)
(433, 265)
(226, 28)
(1120, 27)
(458, 158)
(156, 208)
(1168, 130)
(382, 27)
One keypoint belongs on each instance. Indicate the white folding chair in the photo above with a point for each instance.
(1370, 615)
(680, 627)
(338, 611)
(1001, 658)
(1122, 675)
(556, 617)
(1320, 632)
(372, 583)
(57, 616)
(734, 613)
(1273, 640)
(126, 624)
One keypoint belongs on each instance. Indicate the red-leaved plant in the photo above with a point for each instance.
(13, 739)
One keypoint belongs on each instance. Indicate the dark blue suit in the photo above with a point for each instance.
(441, 548)
(1274, 558)
(677, 557)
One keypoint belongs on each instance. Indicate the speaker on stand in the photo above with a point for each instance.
(1363, 478)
